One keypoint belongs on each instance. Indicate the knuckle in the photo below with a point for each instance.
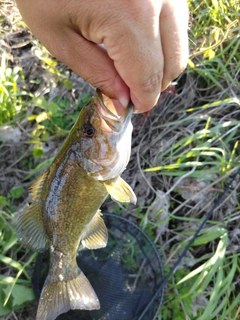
(153, 83)
(103, 84)
(173, 73)
(183, 64)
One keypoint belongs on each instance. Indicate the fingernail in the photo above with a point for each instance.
(124, 102)
(136, 103)
(119, 109)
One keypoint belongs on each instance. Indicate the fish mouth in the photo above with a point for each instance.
(114, 122)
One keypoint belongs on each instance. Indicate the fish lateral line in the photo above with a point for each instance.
(66, 201)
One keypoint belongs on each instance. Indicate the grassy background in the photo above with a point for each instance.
(183, 155)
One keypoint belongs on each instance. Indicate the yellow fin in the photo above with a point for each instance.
(30, 228)
(120, 190)
(95, 235)
(36, 188)
(59, 297)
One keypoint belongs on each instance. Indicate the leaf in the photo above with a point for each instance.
(191, 64)
(221, 291)
(40, 102)
(7, 280)
(32, 117)
(3, 201)
(14, 264)
(21, 295)
(68, 84)
(209, 235)
(43, 116)
(207, 269)
(4, 309)
(210, 54)
(38, 152)
(53, 107)
(16, 192)
(45, 136)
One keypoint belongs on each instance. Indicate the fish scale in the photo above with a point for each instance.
(66, 201)
(78, 211)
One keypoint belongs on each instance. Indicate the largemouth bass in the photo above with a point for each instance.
(66, 201)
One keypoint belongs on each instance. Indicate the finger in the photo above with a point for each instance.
(174, 38)
(138, 57)
(60, 37)
(93, 64)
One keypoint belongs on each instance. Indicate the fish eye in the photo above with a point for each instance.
(88, 130)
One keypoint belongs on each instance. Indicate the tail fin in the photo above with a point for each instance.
(59, 297)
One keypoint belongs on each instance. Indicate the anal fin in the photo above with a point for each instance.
(30, 228)
(95, 235)
(120, 191)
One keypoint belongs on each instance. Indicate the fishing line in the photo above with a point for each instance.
(209, 215)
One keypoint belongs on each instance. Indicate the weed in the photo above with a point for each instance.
(185, 155)
(11, 103)
(15, 280)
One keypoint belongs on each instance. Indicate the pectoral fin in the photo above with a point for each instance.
(30, 228)
(120, 191)
(95, 235)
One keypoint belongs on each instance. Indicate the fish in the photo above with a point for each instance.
(66, 200)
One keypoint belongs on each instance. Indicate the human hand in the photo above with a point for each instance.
(127, 49)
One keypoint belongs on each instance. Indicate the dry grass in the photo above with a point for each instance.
(186, 182)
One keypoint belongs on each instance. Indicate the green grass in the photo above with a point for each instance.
(11, 101)
(215, 41)
(208, 151)
(41, 121)
(15, 279)
(192, 151)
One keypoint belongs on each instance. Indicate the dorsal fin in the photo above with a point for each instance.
(36, 189)
(30, 228)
